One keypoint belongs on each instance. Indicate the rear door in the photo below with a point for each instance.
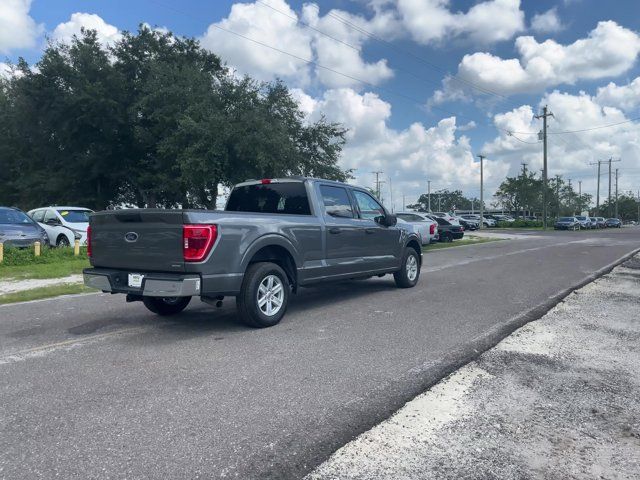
(138, 240)
(344, 238)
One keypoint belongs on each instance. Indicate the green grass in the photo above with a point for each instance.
(52, 263)
(44, 292)
(459, 243)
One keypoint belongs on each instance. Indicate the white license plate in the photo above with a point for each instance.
(135, 280)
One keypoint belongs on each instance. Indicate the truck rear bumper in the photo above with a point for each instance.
(163, 284)
(153, 284)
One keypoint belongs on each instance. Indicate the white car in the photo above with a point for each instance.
(487, 222)
(424, 226)
(448, 217)
(64, 225)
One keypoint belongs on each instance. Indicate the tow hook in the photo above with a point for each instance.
(131, 297)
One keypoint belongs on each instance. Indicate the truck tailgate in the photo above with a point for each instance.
(144, 240)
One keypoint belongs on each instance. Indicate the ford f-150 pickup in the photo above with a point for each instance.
(274, 236)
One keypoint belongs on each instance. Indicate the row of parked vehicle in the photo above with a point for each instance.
(51, 226)
(437, 226)
(586, 223)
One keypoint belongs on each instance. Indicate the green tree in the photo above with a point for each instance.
(628, 207)
(446, 201)
(155, 121)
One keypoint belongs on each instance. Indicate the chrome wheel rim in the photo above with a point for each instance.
(270, 295)
(412, 267)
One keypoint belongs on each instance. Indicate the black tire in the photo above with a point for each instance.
(403, 277)
(247, 301)
(166, 305)
(62, 241)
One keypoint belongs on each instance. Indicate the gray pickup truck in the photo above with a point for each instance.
(274, 236)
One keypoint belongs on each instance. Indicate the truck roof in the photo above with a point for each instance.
(294, 178)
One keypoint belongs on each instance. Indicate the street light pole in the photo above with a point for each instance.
(545, 114)
(481, 157)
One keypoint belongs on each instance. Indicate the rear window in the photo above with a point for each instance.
(283, 198)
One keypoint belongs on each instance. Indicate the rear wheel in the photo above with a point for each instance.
(409, 273)
(264, 296)
(166, 305)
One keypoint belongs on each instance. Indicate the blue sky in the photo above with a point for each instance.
(565, 53)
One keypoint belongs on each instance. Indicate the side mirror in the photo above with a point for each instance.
(388, 220)
(53, 222)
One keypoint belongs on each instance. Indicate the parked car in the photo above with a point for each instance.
(567, 223)
(468, 224)
(17, 229)
(594, 222)
(274, 236)
(449, 231)
(63, 225)
(601, 222)
(585, 222)
(613, 223)
(425, 226)
(504, 218)
(447, 216)
(487, 222)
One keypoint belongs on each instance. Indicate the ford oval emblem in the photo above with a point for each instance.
(131, 237)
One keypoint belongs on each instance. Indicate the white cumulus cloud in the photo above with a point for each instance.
(107, 34)
(278, 25)
(408, 157)
(486, 22)
(625, 97)
(17, 28)
(609, 50)
(547, 22)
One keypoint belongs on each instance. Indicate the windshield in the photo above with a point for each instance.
(14, 217)
(566, 219)
(581, 218)
(75, 216)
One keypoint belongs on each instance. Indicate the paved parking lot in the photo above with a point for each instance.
(93, 387)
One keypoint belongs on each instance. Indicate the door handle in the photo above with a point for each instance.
(370, 230)
(334, 230)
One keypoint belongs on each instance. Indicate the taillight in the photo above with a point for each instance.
(89, 241)
(432, 229)
(197, 241)
(265, 181)
(462, 229)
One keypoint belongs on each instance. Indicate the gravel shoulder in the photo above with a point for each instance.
(556, 399)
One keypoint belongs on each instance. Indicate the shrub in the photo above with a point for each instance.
(25, 256)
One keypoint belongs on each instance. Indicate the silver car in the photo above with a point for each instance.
(18, 230)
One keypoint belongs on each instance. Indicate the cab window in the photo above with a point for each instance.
(336, 201)
(369, 207)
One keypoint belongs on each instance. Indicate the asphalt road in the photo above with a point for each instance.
(95, 388)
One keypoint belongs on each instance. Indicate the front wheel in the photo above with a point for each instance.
(409, 273)
(63, 241)
(264, 295)
(166, 305)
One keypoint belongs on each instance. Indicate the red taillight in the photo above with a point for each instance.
(89, 241)
(265, 181)
(197, 241)
(432, 229)
(462, 229)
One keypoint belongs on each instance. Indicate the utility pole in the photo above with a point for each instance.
(429, 195)
(570, 192)
(524, 186)
(545, 114)
(600, 162)
(377, 174)
(481, 225)
(580, 195)
(616, 215)
(558, 195)
(439, 197)
(391, 196)
(403, 203)
(609, 199)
